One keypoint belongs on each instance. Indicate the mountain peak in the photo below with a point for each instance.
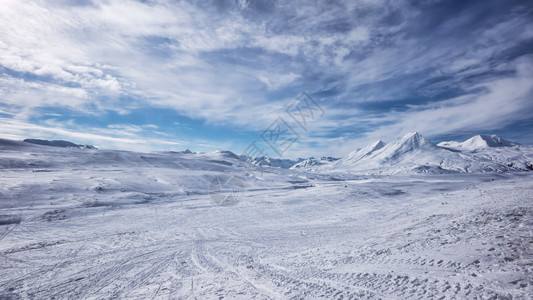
(481, 141)
(372, 147)
(227, 154)
(494, 140)
(413, 140)
(377, 145)
(412, 136)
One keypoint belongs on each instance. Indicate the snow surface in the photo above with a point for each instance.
(102, 224)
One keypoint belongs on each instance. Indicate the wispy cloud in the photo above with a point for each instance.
(379, 68)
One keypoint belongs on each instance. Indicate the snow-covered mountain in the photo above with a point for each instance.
(284, 163)
(410, 154)
(414, 153)
(479, 142)
(311, 163)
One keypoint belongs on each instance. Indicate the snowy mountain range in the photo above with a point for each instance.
(414, 153)
(410, 154)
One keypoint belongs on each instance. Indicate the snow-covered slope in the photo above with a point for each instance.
(414, 153)
(361, 153)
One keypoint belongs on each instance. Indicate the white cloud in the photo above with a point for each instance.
(275, 81)
(287, 44)
(359, 34)
(102, 50)
(503, 102)
(215, 67)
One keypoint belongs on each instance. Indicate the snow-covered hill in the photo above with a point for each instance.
(128, 174)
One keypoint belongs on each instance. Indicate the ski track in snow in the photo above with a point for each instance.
(152, 232)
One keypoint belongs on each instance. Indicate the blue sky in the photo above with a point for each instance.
(207, 75)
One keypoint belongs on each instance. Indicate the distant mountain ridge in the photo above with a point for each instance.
(411, 153)
(58, 143)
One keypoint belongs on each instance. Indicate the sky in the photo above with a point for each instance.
(285, 78)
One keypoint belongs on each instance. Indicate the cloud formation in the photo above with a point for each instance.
(378, 68)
